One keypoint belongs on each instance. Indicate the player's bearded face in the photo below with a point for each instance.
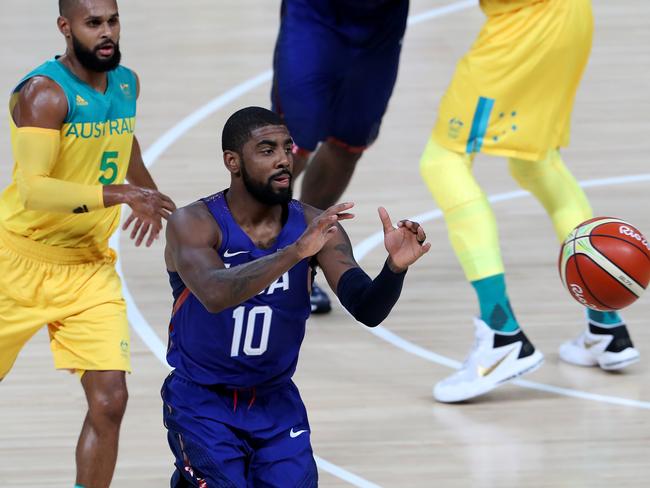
(264, 192)
(91, 59)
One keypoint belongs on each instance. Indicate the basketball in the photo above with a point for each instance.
(605, 263)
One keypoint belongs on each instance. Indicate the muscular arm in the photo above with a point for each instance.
(370, 301)
(138, 174)
(39, 114)
(192, 239)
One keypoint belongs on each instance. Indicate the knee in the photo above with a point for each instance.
(108, 405)
(343, 154)
(524, 171)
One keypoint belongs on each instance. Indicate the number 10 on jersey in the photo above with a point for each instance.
(239, 315)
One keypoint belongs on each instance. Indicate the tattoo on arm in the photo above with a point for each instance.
(346, 257)
(243, 278)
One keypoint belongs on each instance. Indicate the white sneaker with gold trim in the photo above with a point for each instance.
(496, 358)
(610, 348)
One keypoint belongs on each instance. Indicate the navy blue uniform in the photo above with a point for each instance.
(233, 415)
(335, 66)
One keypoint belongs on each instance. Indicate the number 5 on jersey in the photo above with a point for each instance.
(108, 166)
(239, 315)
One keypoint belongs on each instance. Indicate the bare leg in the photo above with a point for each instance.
(96, 454)
(327, 175)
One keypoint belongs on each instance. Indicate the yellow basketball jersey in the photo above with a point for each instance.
(495, 7)
(96, 141)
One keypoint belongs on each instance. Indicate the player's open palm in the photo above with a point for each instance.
(149, 207)
(404, 243)
(322, 228)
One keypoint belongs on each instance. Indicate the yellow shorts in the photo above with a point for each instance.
(513, 92)
(76, 294)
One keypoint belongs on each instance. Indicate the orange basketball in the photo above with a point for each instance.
(605, 263)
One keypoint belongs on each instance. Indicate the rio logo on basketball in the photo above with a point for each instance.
(605, 263)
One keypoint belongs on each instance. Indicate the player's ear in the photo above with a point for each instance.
(63, 25)
(232, 162)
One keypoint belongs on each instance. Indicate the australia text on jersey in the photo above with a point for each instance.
(96, 130)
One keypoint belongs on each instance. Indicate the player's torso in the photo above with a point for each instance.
(95, 149)
(257, 342)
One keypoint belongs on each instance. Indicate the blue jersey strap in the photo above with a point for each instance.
(370, 301)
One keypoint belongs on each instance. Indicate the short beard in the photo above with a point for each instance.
(89, 59)
(264, 193)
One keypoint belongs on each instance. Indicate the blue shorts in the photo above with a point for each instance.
(237, 438)
(335, 68)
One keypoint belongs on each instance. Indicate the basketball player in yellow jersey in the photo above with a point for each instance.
(512, 96)
(72, 121)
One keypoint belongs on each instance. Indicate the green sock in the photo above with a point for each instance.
(495, 305)
(604, 319)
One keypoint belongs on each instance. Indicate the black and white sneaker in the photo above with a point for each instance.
(609, 348)
(320, 302)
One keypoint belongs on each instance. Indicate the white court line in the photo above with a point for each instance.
(151, 155)
(154, 343)
(368, 244)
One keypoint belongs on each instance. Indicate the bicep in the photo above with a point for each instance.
(192, 252)
(336, 257)
(195, 264)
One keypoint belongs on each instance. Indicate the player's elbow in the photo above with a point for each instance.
(27, 193)
(213, 303)
(370, 320)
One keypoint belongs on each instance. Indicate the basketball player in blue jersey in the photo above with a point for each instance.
(72, 123)
(335, 66)
(240, 268)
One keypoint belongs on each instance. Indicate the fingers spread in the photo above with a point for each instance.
(385, 219)
(128, 221)
(136, 227)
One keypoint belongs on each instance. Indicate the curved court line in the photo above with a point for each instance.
(155, 344)
(368, 244)
(151, 155)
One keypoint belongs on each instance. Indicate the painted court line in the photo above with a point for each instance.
(156, 345)
(151, 155)
(368, 244)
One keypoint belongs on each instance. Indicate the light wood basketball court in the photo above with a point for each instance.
(370, 402)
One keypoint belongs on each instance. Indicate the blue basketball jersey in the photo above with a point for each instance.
(257, 342)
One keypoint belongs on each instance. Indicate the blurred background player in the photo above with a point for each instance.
(72, 121)
(335, 66)
(512, 95)
(238, 263)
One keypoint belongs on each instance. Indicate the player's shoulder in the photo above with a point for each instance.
(195, 213)
(193, 223)
(41, 99)
(41, 86)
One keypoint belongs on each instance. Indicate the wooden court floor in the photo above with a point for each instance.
(370, 403)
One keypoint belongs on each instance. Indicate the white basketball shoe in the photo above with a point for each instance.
(608, 348)
(495, 359)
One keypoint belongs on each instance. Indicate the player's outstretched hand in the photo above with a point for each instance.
(322, 228)
(149, 207)
(404, 243)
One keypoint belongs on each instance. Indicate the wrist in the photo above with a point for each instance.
(395, 268)
(117, 194)
(293, 250)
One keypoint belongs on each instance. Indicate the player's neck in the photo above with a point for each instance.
(95, 79)
(248, 210)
